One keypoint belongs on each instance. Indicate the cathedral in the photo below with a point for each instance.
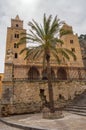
(25, 69)
(23, 79)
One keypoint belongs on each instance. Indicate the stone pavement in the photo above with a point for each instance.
(35, 122)
(7, 127)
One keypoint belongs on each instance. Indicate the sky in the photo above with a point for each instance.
(73, 12)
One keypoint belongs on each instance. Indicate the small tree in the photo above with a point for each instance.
(46, 37)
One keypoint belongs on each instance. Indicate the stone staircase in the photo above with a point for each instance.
(77, 105)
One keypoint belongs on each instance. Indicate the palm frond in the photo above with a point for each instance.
(44, 22)
(46, 36)
(54, 26)
(47, 25)
(35, 27)
(23, 33)
(35, 37)
(65, 32)
(58, 59)
(23, 50)
(70, 53)
(59, 41)
(21, 41)
(37, 52)
(60, 51)
(39, 28)
(63, 53)
(29, 53)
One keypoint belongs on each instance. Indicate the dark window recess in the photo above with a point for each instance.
(16, 45)
(71, 41)
(42, 91)
(73, 49)
(0, 78)
(60, 96)
(16, 35)
(17, 25)
(16, 55)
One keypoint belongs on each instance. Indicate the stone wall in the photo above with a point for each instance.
(27, 92)
(26, 97)
(1, 78)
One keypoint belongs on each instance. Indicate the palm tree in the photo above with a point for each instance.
(46, 38)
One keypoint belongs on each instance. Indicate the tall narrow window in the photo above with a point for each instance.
(0, 78)
(16, 35)
(73, 49)
(16, 55)
(71, 41)
(14, 45)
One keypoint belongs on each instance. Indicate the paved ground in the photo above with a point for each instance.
(6, 127)
(69, 122)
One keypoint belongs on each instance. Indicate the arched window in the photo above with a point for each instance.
(16, 55)
(16, 35)
(15, 45)
(61, 74)
(33, 73)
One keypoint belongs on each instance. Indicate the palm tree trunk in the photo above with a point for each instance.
(50, 89)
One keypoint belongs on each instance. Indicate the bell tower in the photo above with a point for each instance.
(12, 58)
(13, 36)
(71, 42)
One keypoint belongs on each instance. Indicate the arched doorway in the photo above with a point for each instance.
(44, 74)
(33, 73)
(62, 74)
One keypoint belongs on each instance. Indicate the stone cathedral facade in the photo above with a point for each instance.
(24, 79)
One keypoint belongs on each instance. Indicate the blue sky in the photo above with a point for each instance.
(71, 11)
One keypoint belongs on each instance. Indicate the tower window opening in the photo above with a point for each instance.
(17, 25)
(73, 49)
(16, 55)
(0, 78)
(16, 35)
(16, 45)
(71, 41)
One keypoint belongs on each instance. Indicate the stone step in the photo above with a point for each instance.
(76, 110)
(77, 107)
(77, 113)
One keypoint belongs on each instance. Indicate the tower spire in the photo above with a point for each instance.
(17, 17)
